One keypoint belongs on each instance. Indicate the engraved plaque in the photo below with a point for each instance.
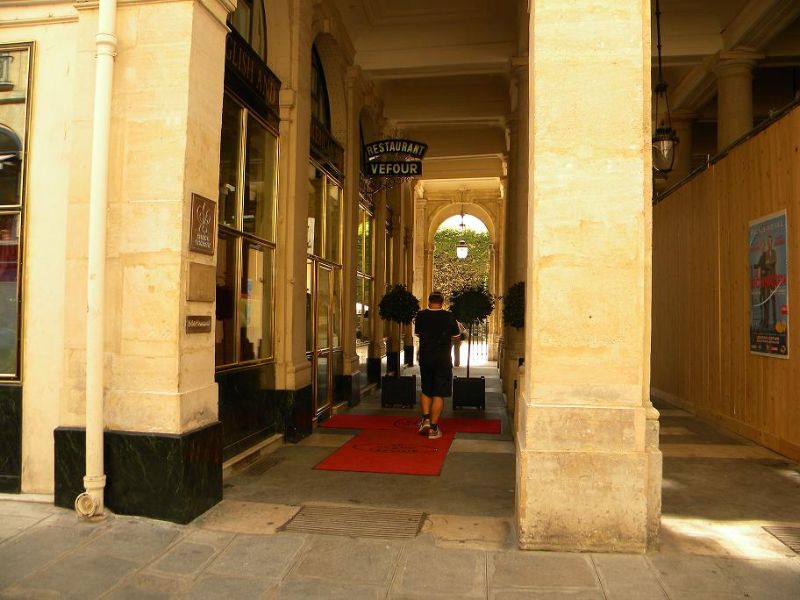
(202, 226)
(202, 283)
(198, 323)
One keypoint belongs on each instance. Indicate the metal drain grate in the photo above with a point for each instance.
(356, 522)
(788, 536)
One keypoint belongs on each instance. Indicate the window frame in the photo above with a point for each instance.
(269, 247)
(19, 209)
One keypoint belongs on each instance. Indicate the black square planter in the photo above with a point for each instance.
(399, 391)
(469, 392)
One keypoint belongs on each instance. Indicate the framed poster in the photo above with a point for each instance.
(769, 286)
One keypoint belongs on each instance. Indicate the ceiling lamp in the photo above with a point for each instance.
(664, 137)
(462, 250)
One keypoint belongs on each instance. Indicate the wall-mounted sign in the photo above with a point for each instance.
(399, 168)
(407, 148)
(248, 75)
(198, 324)
(202, 226)
(769, 286)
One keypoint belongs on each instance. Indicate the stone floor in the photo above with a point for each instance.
(719, 491)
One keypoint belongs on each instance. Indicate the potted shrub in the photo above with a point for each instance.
(399, 306)
(514, 306)
(471, 305)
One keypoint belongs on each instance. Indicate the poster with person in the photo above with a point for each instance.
(769, 282)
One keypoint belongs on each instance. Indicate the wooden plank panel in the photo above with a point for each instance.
(701, 301)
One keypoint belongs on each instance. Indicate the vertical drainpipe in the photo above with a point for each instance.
(91, 503)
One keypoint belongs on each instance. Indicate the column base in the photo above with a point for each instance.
(172, 477)
(374, 371)
(348, 388)
(585, 502)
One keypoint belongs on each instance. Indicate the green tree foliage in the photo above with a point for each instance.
(450, 273)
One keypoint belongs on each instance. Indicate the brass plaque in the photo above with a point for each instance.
(202, 226)
(198, 323)
(202, 283)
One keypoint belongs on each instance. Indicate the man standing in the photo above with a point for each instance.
(436, 328)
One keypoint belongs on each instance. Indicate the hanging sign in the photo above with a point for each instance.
(769, 286)
(395, 168)
(408, 148)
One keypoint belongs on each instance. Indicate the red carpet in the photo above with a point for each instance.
(386, 451)
(387, 422)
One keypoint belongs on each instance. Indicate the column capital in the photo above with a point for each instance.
(740, 61)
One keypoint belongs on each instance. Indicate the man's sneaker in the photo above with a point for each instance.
(424, 426)
(434, 434)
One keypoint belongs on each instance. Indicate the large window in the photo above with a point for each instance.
(320, 105)
(14, 102)
(246, 252)
(250, 21)
(324, 216)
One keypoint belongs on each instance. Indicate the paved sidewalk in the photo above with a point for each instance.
(46, 553)
(719, 491)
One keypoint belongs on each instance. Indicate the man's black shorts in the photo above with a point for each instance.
(437, 377)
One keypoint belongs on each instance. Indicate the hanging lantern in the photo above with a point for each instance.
(462, 250)
(664, 136)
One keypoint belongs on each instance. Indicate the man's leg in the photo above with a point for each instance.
(437, 406)
(425, 404)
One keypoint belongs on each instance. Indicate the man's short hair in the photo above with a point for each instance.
(436, 298)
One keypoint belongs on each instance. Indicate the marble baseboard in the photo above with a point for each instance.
(161, 476)
(10, 438)
(299, 422)
(348, 388)
(248, 408)
(374, 367)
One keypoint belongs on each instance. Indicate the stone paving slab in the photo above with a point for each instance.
(429, 570)
(627, 577)
(258, 556)
(362, 561)
(517, 569)
(82, 574)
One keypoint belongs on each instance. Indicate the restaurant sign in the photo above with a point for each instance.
(202, 225)
(407, 158)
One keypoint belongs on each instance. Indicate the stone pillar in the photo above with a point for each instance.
(160, 387)
(734, 70)
(516, 246)
(682, 122)
(377, 347)
(350, 230)
(588, 475)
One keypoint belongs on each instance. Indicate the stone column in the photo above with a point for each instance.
(377, 346)
(588, 474)
(516, 247)
(734, 70)
(682, 122)
(163, 436)
(349, 232)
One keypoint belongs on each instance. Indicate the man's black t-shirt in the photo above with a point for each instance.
(435, 329)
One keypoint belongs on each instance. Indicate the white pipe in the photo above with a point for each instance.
(92, 503)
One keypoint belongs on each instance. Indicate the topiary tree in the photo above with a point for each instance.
(471, 304)
(514, 306)
(400, 306)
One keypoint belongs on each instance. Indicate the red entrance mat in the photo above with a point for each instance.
(388, 422)
(395, 452)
